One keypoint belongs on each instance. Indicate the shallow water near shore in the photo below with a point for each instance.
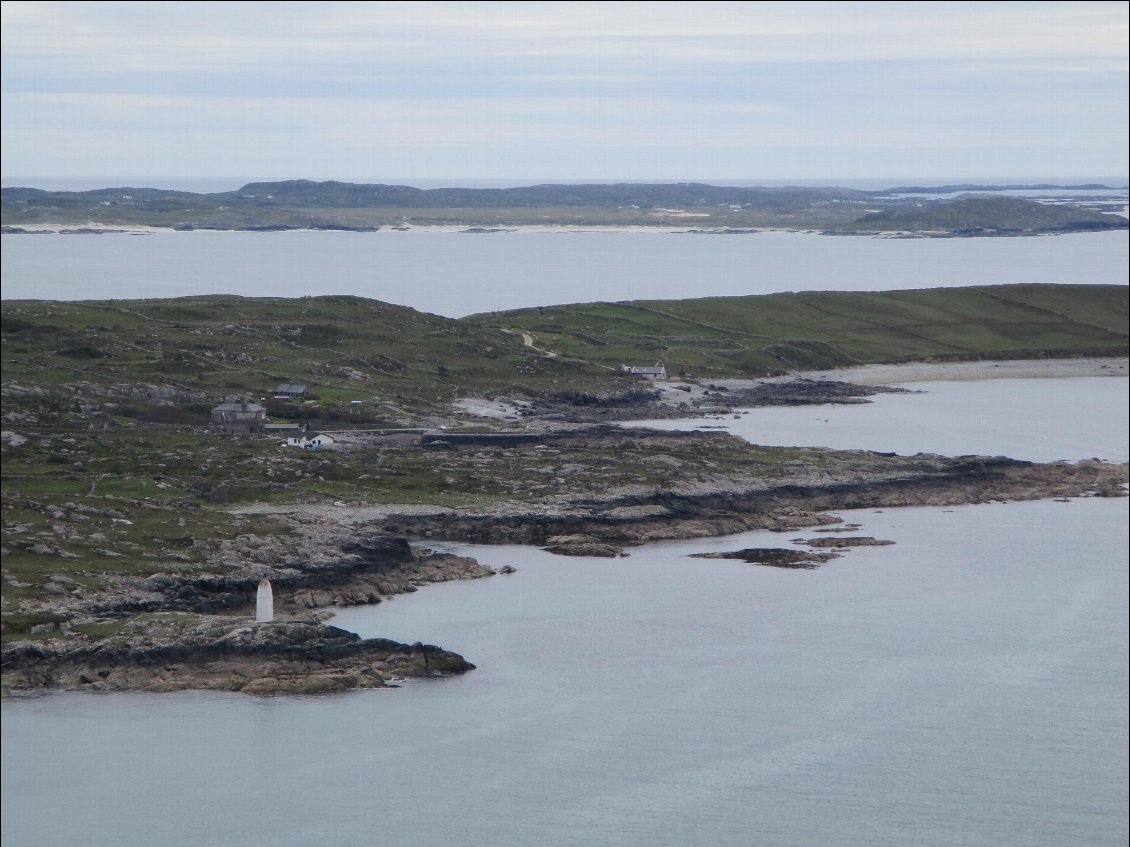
(1031, 419)
(965, 686)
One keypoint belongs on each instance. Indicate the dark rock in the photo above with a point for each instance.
(773, 557)
(854, 541)
(583, 545)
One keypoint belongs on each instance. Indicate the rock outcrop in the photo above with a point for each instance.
(582, 545)
(851, 541)
(633, 519)
(773, 557)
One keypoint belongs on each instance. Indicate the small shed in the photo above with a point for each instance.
(288, 428)
(239, 418)
(289, 390)
(657, 372)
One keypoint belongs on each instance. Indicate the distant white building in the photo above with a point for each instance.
(657, 372)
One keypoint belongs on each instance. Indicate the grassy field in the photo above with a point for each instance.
(170, 361)
(121, 363)
(756, 335)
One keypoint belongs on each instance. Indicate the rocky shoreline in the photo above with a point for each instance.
(192, 629)
(634, 519)
(174, 632)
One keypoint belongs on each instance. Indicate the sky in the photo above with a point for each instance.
(458, 92)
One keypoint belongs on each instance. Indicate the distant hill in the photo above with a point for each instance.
(296, 204)
(755, 335)
(643, 195)
(982, 187)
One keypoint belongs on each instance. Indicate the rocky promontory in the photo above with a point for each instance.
(173, 652)
(174, 631)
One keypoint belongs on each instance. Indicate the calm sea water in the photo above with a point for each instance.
(456, 274)
(966, 686)
(1032, 419)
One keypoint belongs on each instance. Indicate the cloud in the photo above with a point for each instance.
(166, 37)
(439, 85)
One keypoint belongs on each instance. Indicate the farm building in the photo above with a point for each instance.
(289, 391)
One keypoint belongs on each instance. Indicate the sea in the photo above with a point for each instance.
(455, 273)
(966, 685)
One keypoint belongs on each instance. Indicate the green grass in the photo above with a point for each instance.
(726, 336)
(169, 361)
(90, 364)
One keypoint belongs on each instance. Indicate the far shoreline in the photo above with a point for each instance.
(676, 391)
(96, 228)
(908, 372)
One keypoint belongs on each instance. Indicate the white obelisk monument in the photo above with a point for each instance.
(264, 602)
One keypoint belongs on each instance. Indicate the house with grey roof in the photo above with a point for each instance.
(290, 391)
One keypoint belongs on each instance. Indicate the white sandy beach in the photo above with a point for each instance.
(675, 391)
(1007, 369)
(914, 372)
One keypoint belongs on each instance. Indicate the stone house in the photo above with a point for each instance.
(239, 418)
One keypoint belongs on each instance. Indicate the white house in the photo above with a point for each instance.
(310, 443)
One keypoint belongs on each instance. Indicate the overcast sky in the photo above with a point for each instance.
(566, 91)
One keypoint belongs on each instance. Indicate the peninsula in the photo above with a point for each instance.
(139, 520)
